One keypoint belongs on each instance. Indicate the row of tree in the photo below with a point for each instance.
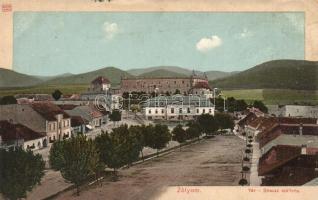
(235, 105)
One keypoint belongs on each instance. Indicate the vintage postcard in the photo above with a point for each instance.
(147, 99)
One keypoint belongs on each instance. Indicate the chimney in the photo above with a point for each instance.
(303, 149)
(301, 129)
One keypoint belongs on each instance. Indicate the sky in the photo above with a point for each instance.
(51, 43)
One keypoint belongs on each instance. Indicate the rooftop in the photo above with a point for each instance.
(48, 110)
(10, 131)
(101, 80)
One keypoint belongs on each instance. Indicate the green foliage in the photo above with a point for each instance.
(115, 116)
(121, 147)
(80, 160)
(224, 121)
(160, 136)
(6, 100)
(179, 134)
(56, 157)
(57, 94)
(207, 123)
(177, 91)
(193, 130)
(20, 171)
(261, 106)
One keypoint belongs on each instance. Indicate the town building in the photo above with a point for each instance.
(90, 114)
(286, 165)
(177, 107)
(100, 93)
(42, 117)
(78, 125)
(289, 134)
(17, 135)
(162, 85)
(293, 111)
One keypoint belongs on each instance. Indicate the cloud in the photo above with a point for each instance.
(110, 30)
(245, 33)
(206, 44)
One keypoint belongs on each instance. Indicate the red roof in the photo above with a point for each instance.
(78, 121)
(9, 132)
(289, 129)
(279, 155)
(48, 110)
(101, 80)
(67, 106)
(200, 85)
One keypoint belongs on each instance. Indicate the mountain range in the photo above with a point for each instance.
(291, 74)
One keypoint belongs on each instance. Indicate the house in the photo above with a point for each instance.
(78, 124)
(89, 113)
(293, 111)
(100, 84)
(177, 108)
(42, 117)
(202, 89)
(289, 134)
(285, 165)
(17, 135)
(100, 93)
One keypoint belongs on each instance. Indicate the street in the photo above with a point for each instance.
(211, 162)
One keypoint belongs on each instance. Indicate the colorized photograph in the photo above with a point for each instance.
(122, 105)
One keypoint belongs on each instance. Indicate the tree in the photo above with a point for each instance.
(260, 105)
(159, 137)
(224, 121)
(115, 116)
(56, 158)
(139, 132)
(193, 130)
(6, 100)
(57, 94)
(179, 134)
(177, 91)
(135, 108)
(241, 105)
(20, 171)
(207, 123)
(79, 155)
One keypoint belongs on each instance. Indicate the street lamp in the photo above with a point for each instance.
(214, 89)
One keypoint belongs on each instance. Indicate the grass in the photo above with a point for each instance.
(275, 96)
(65, 89)
(269, 96)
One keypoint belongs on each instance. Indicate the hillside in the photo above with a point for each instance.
(9, 78)
(279, 74)
(112, 73)
(161, 73)
(213, 75)
(179, 70)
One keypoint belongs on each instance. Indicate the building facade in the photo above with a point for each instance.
(42, 117)
(176, 108)
(162, 85)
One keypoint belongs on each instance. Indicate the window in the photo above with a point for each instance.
(156, 111)
(210, 110)
(172, 110)
(203, 111)
(197, 110)
(149, 111)
(182, 82)
(188, 110)
(162, 111)
(180, 110)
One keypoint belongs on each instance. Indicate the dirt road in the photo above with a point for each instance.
(212, 162)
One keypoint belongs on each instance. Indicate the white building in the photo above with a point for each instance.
(42, 117)
(17, 135)
(177, 107)
(293, 111)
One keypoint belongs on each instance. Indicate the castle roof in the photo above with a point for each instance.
(100, 80)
